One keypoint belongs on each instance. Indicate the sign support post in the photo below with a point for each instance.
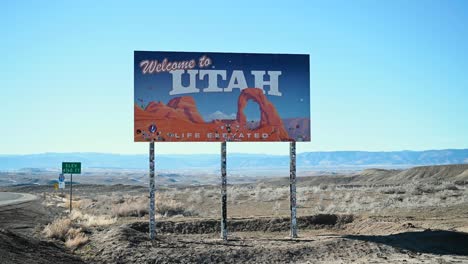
(223, 192)
(71, 190)
(72, 168)
(292, 187)
(152, 223)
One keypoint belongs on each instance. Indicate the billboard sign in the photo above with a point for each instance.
(202, 96)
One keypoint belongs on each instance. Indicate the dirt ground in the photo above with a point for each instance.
(20, 239)
(402, 223)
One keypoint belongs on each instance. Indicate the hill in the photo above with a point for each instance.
(419, 174)
(315, 160)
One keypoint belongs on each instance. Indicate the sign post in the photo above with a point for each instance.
(292, 187)
(152, 223)
(71, 191)
(61, 183)
(223, 192)
(72, 168)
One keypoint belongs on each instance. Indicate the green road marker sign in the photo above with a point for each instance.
(71, 167)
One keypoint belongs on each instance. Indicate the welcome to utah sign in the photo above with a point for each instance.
(194, 96)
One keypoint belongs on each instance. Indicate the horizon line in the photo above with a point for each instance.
(241, 153)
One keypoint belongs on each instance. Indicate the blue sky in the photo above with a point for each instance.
(385, 75)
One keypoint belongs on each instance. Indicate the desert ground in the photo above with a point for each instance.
(416, 215)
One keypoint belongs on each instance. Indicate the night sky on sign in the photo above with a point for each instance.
(293, 83)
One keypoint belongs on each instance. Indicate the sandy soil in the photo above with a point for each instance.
(20, 239)
(402, 223)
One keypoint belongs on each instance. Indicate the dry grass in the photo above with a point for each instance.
(76, 202)
(350, 199)
(195, 196)
(65, 229)
(168, 208)
(73, 232)
(269, 194)
(58, 229)
(88, 220)
(99, 220)
(130, 206)
(267, 198)
(138, 206)
(70, 229)
(76, 240)
(372, 199)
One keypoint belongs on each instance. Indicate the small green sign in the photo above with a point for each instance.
(71, 167)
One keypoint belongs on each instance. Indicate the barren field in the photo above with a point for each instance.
(376, 216)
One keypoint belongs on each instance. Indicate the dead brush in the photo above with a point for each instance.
(392, 190)
(170, 208)
(131, 206)
(138, 206)
(76, 240)
(76, 202)
(98, 220)
(70, 230)
(73, 232)
(269, 194)
(58, 229)
(448, 186)
(87, 220)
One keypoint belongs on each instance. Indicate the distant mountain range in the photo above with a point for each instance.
(240, 161)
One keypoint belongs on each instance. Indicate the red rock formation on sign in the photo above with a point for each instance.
(180, 120)
(162, 111)
(187, 105)
(180, 108)
(268, 114)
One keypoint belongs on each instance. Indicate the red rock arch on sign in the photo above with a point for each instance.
(268, 114)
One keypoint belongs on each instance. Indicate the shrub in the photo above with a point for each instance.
(98, 220)
(130, 208)
(448, 186)
(76, 241)
(91, 220)
(195, 197)
(270, 194)
(58, 228)
(170, 208)
(393, 190)
(420, 189)
(139, 206)
(73, 232)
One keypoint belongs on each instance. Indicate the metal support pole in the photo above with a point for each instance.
(292, 187)
(61, 189)
(152, 221)
(223, 193)
(71, 191)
